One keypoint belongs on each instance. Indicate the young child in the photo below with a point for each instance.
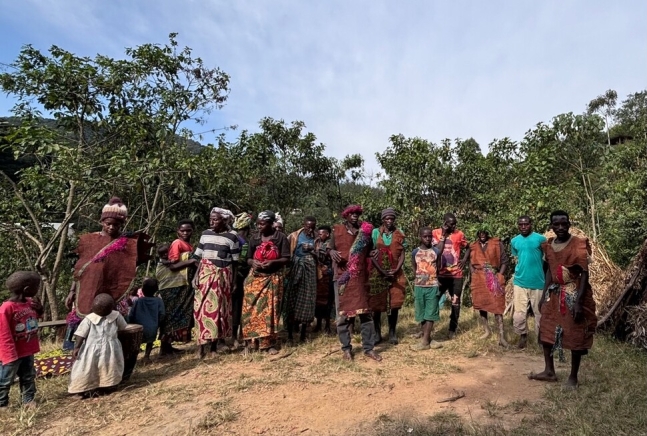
(98, 356)
(148, 312)
(19, 336)
(426, 262)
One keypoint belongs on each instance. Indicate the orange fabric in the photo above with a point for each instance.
(112, 275)
(177, 248)
(451, 254)
(576, 336)
(394, 299)
(482, 297)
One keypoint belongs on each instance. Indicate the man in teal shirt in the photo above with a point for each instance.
(529, 277)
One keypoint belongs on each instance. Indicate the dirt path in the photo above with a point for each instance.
(308, 394)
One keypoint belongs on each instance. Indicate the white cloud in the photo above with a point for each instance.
(358, 72)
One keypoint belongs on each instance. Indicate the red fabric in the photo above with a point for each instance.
(266, 251)
(577, 335)
(18, 331)
(451, 254)
(113, 275)
(177, 248)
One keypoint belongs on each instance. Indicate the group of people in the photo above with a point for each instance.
(238, 283)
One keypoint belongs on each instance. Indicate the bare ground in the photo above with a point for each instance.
(312, 391)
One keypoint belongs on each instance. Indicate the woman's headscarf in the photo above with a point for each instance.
(226, 214)
(354, 208)
(242, 221)
(267, 215)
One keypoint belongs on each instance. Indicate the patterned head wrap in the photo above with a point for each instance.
(388, 211)
(354, 208)
(242, 221)
(267, 215)
(114, 209)
(225, 213)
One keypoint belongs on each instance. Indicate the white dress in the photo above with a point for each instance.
(100, 363)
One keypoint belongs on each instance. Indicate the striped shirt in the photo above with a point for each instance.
(220, 248)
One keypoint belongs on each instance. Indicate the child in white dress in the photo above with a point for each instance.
(99, 359)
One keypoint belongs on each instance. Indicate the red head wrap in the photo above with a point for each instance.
(354, 208)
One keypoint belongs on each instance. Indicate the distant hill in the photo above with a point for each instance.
(10, 165)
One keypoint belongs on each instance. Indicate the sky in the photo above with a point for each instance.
(357, 72)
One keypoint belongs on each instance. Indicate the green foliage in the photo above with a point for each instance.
(119, 128)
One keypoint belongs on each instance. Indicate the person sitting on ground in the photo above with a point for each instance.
(529, 277)
(19, 336)
(98, 356)
(567, 307)
(148, 312)
(488, 263)
(425, 260)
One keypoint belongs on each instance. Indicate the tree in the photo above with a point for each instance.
(604, 104)
(117, 126)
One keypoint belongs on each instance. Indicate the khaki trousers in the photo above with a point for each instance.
(522, 298)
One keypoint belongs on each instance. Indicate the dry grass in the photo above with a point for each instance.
(611, 400)
(637, 319)
(612, 397)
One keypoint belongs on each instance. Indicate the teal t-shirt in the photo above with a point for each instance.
(387, 238)
(529, 272)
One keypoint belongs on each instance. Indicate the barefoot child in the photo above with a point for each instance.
(567, 307)
(426, 262)
(99, 358)
(148, 312)
(19, 336)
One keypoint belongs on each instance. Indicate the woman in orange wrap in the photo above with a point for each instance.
(488, 263)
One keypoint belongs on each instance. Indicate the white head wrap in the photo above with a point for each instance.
(225, 213)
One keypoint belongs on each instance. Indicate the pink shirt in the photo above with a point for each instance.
(18, 331)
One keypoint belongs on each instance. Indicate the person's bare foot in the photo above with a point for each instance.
(451, 335)
(200, 354)
(417, 335)
(213, 354)
(348, 355)
(373, 355)
(523, 341)
(146, 360)
(543, 376)
(272, 351)
(571, 383)
(32, 405)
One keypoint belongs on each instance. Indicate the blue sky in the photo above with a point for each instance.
(357, 72)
